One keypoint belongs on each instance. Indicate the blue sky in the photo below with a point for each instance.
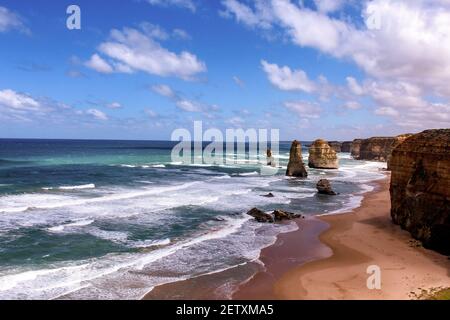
(140, 69)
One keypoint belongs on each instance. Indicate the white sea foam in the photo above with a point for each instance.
(80, 223)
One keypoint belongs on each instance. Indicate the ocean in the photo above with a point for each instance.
(84, 219)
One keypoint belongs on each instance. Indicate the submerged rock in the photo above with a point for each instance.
(420, 188)
(322, 156)
(260, 215)
(324, 187)
(296, 167)
(269, 195)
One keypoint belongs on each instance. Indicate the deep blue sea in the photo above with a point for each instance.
(111, 219)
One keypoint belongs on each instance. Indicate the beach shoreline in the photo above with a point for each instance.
(327, 258)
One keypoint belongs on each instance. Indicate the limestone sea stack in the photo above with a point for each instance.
(270, 158)
(322, 156)
(324, 187)
(356, 146)
(296, 167)
(335, 145)
(398, 140)
(420, 188)
(346, 146)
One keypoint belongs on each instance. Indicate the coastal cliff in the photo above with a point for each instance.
(322, 156)
(346, 146)
(379, 148)
(335, 145)
(296, 167)
(356, 146)
(420, 187)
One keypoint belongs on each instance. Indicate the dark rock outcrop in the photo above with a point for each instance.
(280, 215)
(335, 145)
(270, 158)
(346, 146)
(379, 148)
(322, 156)
(420, 188)
(324, 187)
(277, 215)
(356, 146)
(296, 167)
(269, 195)
(260, 215)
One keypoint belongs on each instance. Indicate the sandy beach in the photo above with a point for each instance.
(359, 239)
(328, 257)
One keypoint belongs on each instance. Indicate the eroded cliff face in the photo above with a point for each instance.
(296, 167)
(346, 146)
(420, 187)
(380, 148)
(322, 156)
(356, 146)
(398, 140)
(335, 145)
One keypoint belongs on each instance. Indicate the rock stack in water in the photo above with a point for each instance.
(270, 158)
(322, 156)
(356, 146)
(420, 188)
(296, 167)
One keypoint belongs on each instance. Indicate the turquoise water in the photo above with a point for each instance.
(112, 219)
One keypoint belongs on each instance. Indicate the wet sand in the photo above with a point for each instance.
(327, 258)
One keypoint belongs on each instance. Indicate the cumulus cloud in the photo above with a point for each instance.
(131, 50)
(403, 48)
(97, 114)
(187, 4)
(99, 64)
(18, 101)
(11, 21)
(260, 17)
(286, 79)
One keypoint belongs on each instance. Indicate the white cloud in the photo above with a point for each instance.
(286, 79)
(181, 34)
(152, 114)
(131, 50)
(11, 21)
(235, 121)
(114, 105)
(18, 101)
(189, 106)
(327, 6)
(97, 114)
(164, 90)
(260, 17)
(405, 55)
(181, 102)
(188, 4)
(304, 110)
(99, 64)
